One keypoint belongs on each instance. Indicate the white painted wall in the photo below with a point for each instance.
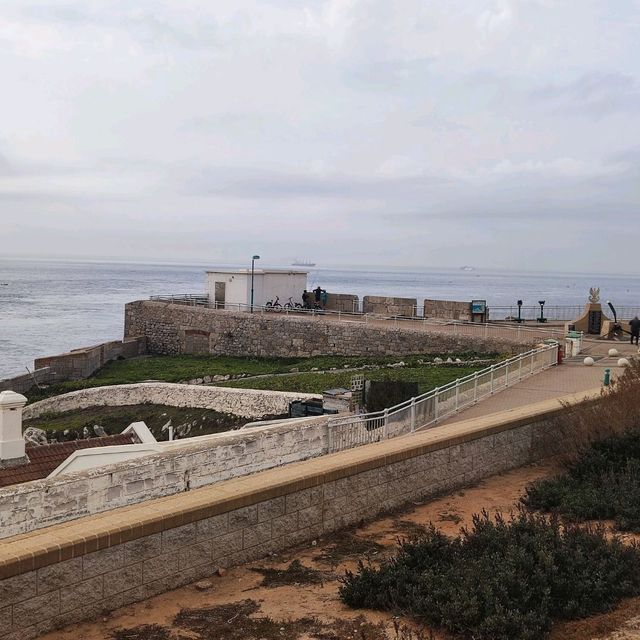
(268, 284)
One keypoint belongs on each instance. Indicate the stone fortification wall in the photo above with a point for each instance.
(247, 403)
(388, 306)
(111, 560)
(81, 363)
(188, 464)
(448, 309)
(22, 384)
(170, 328)
(342, 302)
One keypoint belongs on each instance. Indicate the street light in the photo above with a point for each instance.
(253, 261)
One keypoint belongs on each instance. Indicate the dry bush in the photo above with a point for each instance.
(615, 411)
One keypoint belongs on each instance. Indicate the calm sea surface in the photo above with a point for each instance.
(51, 307)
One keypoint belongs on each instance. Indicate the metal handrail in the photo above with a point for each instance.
(356, 429)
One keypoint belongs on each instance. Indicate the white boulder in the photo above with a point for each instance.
(588, 361)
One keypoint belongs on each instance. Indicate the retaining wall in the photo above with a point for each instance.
(342, 302)
(185, 465)
(62, 575)
(169, 329)
(246, 403)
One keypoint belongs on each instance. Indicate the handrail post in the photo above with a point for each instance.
(435, 404)
(531, 363)
(413, 414)
(520, 368)
(457, 394)
(329, 436)
(491, 388)
(506, 375)
(475, 386)
(385, 429)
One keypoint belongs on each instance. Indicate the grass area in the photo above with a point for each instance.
(315, 382)
(180, 368)
(71, 425)
(603, 484)
(502, 579)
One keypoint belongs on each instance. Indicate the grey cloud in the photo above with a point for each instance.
(595, 94)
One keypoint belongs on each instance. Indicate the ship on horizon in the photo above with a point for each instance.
(302, 263)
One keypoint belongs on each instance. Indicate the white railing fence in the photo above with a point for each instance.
(433, 406)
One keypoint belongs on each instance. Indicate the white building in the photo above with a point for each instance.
(231, 287)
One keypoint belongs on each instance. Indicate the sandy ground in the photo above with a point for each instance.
(332, 556)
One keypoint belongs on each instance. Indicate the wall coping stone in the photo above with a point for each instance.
(34, 550)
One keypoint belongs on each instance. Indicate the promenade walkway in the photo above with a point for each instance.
(570, 377)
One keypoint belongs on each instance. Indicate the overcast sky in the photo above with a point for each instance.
(494, 133)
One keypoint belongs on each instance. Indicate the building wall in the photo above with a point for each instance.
(137, 552)
(389, 306)
(272, 335)
(283, 285)
(247, 403)
(237, 287)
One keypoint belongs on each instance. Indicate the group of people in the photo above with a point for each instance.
(316, 299)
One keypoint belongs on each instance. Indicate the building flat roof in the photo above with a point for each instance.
(259, 271)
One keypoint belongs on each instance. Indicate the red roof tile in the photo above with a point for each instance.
(43, 459)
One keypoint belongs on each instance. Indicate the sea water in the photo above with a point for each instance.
(48, 307)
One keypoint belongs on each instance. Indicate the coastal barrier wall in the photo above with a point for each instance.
(448, 309)
(390, 306)
(246, 403)
(67, 573)
(170, 329)
(22, 383)
(81, 363)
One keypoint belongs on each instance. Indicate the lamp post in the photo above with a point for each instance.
(253, 262)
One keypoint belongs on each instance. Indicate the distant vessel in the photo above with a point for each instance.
(303, 263)
(466, 268)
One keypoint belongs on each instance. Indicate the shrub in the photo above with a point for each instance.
(502, 579)
(603, 483)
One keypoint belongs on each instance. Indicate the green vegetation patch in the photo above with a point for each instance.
(502, 579)
(181, 368)
(602, 484)
(427, 378)
(72, 425)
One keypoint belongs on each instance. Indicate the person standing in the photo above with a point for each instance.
(635, 329)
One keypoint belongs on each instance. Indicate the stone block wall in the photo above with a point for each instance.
(108, 562)
(166, 328)
(447, 309)
(185, 465)
(22, 384)
(388, 306)
(246, 403)
(342, 302)
(81, 363)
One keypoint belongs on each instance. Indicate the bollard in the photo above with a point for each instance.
(607, 377)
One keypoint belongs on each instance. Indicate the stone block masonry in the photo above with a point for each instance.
(389, 306)
(246, 403)
(67, 573)
(168, 329)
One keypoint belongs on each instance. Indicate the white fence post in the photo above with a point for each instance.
(385, 428)
(329, 436)
(435, 404)
(457, 394)
(413, 414)
(491, 388)
(475, 386)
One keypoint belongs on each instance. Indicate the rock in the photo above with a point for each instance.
(449, 360)
(99, 431)
(613, 353)
(588, 361)
(458, 360)
(294, 370)
(221, 571)
(438, 360)
(85, 432)
(35, 436)
(207, 379)
(314, 368)
(203, 585)
(218, 378)
(623, 362)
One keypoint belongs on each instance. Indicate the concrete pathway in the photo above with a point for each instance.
(570, 377)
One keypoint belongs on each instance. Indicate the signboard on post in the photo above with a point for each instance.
(478, 306)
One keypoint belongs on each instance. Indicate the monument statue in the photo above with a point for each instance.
(594, 295)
